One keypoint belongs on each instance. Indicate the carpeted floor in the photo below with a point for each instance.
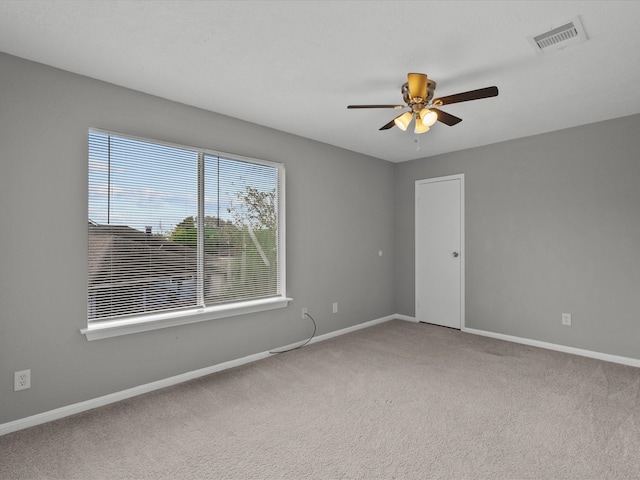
(395, 401)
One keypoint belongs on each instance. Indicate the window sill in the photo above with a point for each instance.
(116, 328)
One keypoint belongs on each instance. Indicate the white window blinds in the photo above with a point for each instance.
(174, 228)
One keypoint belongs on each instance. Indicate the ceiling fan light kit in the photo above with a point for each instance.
(424, 119)
(418, 93)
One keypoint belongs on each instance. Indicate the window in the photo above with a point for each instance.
(175, 231)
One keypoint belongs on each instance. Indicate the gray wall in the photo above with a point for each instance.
(339, 213)
(552, 226)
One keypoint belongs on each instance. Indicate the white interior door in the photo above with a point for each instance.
(440, 251)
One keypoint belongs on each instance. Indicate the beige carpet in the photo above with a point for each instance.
(395, 401)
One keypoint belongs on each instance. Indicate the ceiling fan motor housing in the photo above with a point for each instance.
(417, 103)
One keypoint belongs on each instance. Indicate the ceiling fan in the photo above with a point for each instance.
(418, 96)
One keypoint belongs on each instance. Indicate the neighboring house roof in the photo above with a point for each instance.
(115, 252)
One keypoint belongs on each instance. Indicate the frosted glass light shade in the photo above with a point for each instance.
(428, 117)
(420, 127)
(403, 121)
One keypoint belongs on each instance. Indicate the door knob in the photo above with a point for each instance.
(455, 254)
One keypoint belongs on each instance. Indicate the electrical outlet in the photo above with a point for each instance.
(304, 313)
(335, 307)
(566, 319)
(21, 380)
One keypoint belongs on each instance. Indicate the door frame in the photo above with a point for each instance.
(463, 256)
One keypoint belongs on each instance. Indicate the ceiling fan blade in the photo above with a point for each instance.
(376, 106)
(467, 96)
(417, 85)
(446, 118)
(388, 125)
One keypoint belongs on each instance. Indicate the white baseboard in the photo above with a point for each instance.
(122, 395)
(406, 318)
(632, 362)
(360, 326)
(68, 410)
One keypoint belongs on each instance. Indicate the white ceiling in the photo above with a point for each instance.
(295, 65)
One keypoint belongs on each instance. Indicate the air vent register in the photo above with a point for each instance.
(570, 33)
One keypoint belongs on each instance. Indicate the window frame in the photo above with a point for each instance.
(152, 321)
